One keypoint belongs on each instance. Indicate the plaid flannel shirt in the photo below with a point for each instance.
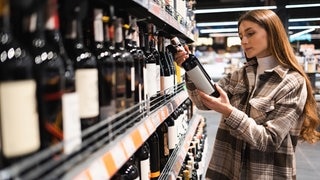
(258, 139)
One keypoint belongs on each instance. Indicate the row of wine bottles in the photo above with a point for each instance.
(150, 159)
(66, 65)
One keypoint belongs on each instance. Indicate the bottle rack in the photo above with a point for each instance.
(101, 153)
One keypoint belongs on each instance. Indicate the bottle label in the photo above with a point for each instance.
(173, 138)
(200, 80)
(165, 143)
(158, 78)
(145, 85)
(87, 87)
(133, 79)
(166, 84)
(145, 169)
(71, 122)
(19, 118)
(151, 70)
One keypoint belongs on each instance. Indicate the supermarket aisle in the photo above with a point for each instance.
(308, 155)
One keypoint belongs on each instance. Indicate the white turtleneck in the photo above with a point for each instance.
(265, 63)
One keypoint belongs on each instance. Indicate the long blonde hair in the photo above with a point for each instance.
(282, 50)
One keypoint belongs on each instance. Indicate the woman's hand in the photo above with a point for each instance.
(220, 104)
(181, 55)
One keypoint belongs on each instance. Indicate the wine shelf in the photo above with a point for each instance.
(101, 153)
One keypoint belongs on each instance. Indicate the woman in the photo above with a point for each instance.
(266, 105)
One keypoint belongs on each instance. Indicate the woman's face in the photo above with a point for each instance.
(254, 39)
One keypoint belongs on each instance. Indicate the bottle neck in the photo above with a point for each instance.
(4, 16)
(97, 25)
(52, 21)
(118, 34)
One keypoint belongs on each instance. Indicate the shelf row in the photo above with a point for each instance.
(155, 12)
(106, 162)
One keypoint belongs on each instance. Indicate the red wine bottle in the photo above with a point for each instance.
(143, 157)
(162, 131)
(49, 72)
(153, 142)
(70, 101)
(86, 72)
(19, 129)
(105, 61)
(195, 70)
(139, 62)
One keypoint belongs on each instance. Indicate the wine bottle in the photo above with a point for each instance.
(172, 133)
(139, 63)
(153, 142)
(143, 156)
(195, 70)
(128, 171)
(162, 131)
(70, 101)
(49, 72)
(19, 131)
(150, 76)
(105, 61)
(165, 75)
(86, 72)
(130, 68)
(119, 56)
(154, 50)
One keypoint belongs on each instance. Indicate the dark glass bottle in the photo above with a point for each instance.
(162, 131)
(154, 50)
(85, 64)
(150, 84)
(128, 171)
(19, 131)
(172, 133)
(121, 57)
(105, 61)
(130, 68)
(195, 71)
(49, 72)
(70, 100)
(143, 157)
(166, 77)
(153, 142)
(139, 63)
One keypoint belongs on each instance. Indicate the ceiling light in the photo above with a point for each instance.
(204, 31)
(231, 23)
(304, 19)
(226, 23)
(237, 9)
(301, 33)
(224, 35)
(220, 30)
(302, 27)
(220, 10)
(302, 5)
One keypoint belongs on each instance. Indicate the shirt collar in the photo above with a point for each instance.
(279, 69)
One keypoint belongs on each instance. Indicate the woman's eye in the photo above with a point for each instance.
(250, 34)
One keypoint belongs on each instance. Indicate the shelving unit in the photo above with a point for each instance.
(101, 154)
(102, 151)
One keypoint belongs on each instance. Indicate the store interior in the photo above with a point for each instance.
(89, 89)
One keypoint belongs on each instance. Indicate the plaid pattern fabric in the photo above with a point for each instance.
(258, 139)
